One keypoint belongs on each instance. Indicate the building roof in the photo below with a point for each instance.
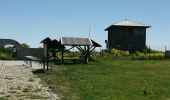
(75, 41)
(128, 23)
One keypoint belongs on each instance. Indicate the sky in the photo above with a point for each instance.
(30, 21)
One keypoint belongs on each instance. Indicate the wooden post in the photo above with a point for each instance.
(149, 52)
(44, 55)
(88, 53)
(47, 58)
(100, 53)
(85, 54)
(44, 64)
(62, 56)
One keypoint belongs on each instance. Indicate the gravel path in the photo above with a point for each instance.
(17, 82)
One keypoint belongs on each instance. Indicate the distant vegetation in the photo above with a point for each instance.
(6, 56)
(24, 45)
(6, 53)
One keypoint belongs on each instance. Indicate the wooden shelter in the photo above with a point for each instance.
(127, 35)
(84, 45)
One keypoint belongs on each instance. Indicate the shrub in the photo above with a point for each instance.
(148, 56)
(149, 50)
(145, 55)
(119, 53)
(156, 56)
(137, 53)
(6, 56)
(106, 55)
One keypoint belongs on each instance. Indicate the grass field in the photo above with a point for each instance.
(111, 80)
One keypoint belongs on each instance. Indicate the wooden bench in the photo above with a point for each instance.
(74, 59)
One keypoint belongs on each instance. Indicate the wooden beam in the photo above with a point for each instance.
(62, 56)
(70, 48)
(80, 48)
(47, 57)
(92, 49)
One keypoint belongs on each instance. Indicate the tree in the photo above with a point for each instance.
(24, 45)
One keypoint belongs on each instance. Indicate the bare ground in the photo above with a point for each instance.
(17, 82)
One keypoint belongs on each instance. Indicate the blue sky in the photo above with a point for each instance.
(30, 21)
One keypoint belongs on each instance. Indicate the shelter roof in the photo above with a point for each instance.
(46, 40)
(95, 43)
(75, 41)
(128, 23)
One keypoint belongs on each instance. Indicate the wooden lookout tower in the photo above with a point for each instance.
(127, 35)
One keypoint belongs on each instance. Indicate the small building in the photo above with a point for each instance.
(127, 35)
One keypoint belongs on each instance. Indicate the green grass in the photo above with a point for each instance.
(6, 56)
(111, 80)
(4, 98)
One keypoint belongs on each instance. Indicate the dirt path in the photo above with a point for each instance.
(17, 82)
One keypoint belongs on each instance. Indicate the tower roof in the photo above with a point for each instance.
(129, 24)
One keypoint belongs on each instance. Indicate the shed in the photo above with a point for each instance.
(127, 35)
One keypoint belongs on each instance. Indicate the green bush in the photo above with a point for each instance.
(156, 56)
(106, 55)
(119, 53)
(148, 56)
(137, 53)
(153, 55)
(149, 50)
(6, 56)
(96, 55)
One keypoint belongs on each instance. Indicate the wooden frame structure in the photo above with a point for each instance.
(52, 46)
(84, 45)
